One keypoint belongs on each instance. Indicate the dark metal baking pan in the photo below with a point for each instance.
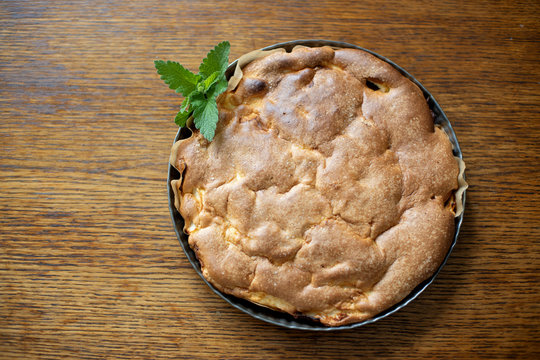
(283, 319)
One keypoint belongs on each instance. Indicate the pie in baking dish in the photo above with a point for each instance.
(327, 190)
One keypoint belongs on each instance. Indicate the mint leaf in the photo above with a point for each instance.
(216, 60)
(218, 87)
(185, 104)
(205, 118)
(176, 76)
(211, 80)
(181, 118)
(200, 91)
(196, 99)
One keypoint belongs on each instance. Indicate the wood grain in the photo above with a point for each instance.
(89, 264)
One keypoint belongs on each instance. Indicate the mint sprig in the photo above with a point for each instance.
(199, 90)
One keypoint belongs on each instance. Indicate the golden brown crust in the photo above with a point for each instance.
(318, 194)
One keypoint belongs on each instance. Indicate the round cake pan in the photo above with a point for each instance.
(283, 319)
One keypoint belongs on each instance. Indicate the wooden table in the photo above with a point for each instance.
(89, 263)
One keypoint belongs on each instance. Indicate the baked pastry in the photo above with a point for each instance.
(327, 190)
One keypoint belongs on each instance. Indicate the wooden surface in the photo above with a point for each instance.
(89, 263)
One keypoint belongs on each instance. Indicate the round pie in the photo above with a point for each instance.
(327, 190)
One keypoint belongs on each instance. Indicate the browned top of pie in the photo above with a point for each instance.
(319, 195)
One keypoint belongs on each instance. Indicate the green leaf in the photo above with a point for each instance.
(181, 118)
(176, 76)
(211, 80)
(218, 87)
(196, 99)
(200, 91)
(216, 60)
(206, 118)
(185, 104)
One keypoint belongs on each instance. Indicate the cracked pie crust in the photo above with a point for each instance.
(327, 191)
